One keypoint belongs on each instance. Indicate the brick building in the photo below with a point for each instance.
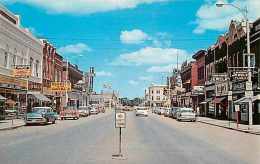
(72, 74)
(198, 80)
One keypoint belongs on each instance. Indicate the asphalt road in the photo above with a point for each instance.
(146, 140)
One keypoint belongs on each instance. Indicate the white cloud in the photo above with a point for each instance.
(162, 39)
(135, 36)
(133, 82)
(210, 17)
(103, 73)
(151, 56)
(77, 49)
(84, 6)
(146, 78)
(161, 69)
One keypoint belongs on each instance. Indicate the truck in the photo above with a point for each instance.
(69, 113)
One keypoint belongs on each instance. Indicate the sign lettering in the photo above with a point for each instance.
(120, 120)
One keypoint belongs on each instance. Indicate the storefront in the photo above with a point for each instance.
(221, 100)
(198, 97)
(13, 89)
(209, 103)
(2, 107)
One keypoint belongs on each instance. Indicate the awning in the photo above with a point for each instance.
(247, 99)
(2, 98)
(41, 97)
(206, 101)
(219, 99)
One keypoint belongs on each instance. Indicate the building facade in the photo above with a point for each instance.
(198, 81)
(71, 73)
(52, 72)
(185, 99)
(157, 98)
(18, 47)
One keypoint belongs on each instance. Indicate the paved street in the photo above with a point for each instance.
(154, 139)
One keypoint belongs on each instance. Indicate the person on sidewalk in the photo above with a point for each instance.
(198, 111)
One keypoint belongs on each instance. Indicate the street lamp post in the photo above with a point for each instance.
(249, 94)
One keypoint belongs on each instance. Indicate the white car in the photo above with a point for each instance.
(161, 111)
(186, 114)
(93, 110)
(84, 111)
(141, 111)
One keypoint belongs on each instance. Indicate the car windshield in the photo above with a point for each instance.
(142, 109)
(186, 110)
(130, 81)
(39, 110)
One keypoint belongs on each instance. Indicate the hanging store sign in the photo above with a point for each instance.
(60, 86)
(239, 86)
(6, 81)
(22, 71)
(222, 89)
(239, 75)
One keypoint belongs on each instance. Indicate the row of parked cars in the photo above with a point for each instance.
(46, 115)
(178, 113)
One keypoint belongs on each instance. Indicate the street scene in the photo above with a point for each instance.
(152, 139)
(130, 81)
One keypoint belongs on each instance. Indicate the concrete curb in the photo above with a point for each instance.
(12, 127)
(239, 130)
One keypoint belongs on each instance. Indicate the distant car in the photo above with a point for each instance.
(84, 111)
(161, 111)
(141, 111)
(186, 114)
(174, 111)
(156, 110)
(167, 112)
(103, 110)
(40, 115)
(94, 110)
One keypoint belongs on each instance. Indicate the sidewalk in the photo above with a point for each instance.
(7, 124)
(255, 129)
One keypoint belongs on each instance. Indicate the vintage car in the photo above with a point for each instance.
(40, 115)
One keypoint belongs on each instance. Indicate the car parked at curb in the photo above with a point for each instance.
(174, 111)
(84, 111)
(186, 114)
(167, 112)
(40, 115)
(161, 111)
(94, 110)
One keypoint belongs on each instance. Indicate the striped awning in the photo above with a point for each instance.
(41, 97)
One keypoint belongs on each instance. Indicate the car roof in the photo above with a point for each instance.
(187, 108)
(43, 107)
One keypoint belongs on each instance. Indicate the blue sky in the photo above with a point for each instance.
(131, 43)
